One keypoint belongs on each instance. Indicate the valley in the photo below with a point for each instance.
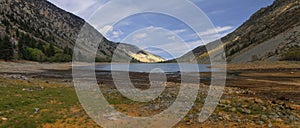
(268, 96)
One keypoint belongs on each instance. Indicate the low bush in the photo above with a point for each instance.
(293, 55)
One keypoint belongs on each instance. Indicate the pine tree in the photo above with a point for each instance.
(17, 33)
(41, 47)
(7, 51)
(22, 51)
(7, 29)
(68, 51)
(32, 43)
(50, 51)
(1, 49)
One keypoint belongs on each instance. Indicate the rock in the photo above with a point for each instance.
(232, 109)
(27, 90)
(270, 125)
(36, 110)
(153, 107)
(260, 122)
(24, 78)
(189, 122)
(227, 117)
(227, 102)
(247, 111)
(278, 120)
(259, 101)
(292, 118)
(292, 72)
(264, 117)
(244, 106)
(294, 107)
(156, 107)
(280, 114)
(247, 92)
(112, 116)
(264, 108)
(220, 118)
(273, 116)
(4, 119)
(214, 117)
(224, 105)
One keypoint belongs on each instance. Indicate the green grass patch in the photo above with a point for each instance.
(18, 101)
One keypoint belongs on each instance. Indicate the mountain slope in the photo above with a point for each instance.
(270, 34)
(40, 31)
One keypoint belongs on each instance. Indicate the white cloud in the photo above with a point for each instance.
(180, 31)
(140, 36)
(213, 34)
(152, 28)
(172, 37)
(117, 34)
(216, 12)
(216, 30)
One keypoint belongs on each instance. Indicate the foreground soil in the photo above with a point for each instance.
(256, 95)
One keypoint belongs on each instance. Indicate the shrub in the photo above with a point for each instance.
(60, 57)
(293, 55)
(36, 55)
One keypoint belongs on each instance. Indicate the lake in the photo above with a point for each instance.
(152, 68)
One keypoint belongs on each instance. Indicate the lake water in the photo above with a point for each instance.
(148, 68)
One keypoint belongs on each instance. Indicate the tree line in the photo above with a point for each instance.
(29, 48)
(6, 49)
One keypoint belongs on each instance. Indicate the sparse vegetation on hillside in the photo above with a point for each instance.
(268, 25)
(28, 47)
(43, 32)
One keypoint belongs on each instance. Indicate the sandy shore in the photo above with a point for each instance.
(31, 67)
(264, 65)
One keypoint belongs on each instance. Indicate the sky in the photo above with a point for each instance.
(168, 28)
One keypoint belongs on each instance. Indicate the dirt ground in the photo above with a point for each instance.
(253, 90)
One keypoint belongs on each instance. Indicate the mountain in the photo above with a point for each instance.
(40, 31)
(271, 34)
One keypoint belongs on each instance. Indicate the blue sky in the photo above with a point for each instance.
(162, 34)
